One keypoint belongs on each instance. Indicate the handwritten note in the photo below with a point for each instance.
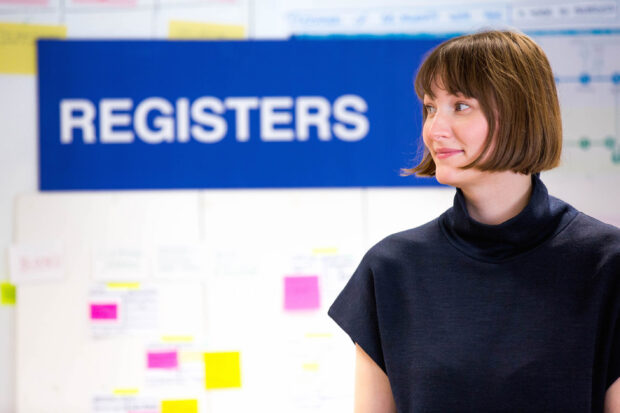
(7, 293)
(18, 45)
(179, 406)
(222, 370)
(162, 359)
(193, 30)
(301, 292)
(36, 262)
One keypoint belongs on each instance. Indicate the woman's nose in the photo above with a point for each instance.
(439, 126)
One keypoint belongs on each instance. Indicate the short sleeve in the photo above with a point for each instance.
(355, 311)
(614, 359)
(613, 365)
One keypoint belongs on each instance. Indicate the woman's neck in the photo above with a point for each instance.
(497, 197)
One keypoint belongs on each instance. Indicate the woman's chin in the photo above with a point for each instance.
(446, 178)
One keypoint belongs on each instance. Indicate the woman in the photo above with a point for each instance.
(510, 300)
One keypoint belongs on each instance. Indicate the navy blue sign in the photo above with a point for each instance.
(248, 114)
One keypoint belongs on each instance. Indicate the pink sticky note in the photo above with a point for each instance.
(107, 311)
(301, 292)
(162, 359)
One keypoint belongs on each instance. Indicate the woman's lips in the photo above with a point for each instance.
(446, 153)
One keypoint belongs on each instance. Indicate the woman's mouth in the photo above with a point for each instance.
(446, 153)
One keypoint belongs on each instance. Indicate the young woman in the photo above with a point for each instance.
(510, 300)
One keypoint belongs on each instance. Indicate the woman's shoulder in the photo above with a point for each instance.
(406, 243)
(590, 237)
(588, 230)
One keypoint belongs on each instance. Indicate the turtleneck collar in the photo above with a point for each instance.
(541, 218)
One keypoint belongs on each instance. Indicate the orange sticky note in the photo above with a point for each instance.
(222, 370)
(18, 45)
(179, 406)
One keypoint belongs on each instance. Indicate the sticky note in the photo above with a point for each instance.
(177, 339)
(18, 45)
(126, 392)
(7, 293)
(189, 356)
(310, 366)
(162, 359)
(179, 406)
(104, 311)
(325, 251)
(193, 30)
(301, 292)
(123, 286)
(222, 370)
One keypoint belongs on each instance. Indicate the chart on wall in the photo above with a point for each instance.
(581, 40)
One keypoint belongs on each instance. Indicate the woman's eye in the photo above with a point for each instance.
(429, 109)
(461, 106)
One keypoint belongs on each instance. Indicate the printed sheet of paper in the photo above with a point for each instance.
(181, 309)
(123, 309)
(180, 262)
(178, 29)
(119, 263)
(171, 364)
(106, 2)
(18, 45)
(314, 366)
(333, 266)
(125, 403)
(36, 262)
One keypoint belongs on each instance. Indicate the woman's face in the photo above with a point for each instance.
(454, 133)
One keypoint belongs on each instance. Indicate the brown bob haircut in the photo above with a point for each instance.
(512, 80)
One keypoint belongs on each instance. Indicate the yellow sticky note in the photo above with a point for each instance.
(123, 286)
(126, 392)
(192, 30)
(188, 356)
(179, 406)
(222, 370)
(310, 366)
(18, 45)
(7, 296)
(325, 251)
(177, 339)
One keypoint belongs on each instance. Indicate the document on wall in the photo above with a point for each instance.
(332, 266)
(180, 262)
(36, 262)
(125, 403)
(174, 365)
(119, 262)
(123, 309)
(314, 366)
(228, 263)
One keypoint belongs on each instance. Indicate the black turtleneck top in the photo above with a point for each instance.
(466, 317)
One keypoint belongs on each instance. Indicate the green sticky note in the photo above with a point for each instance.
(7, 295)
